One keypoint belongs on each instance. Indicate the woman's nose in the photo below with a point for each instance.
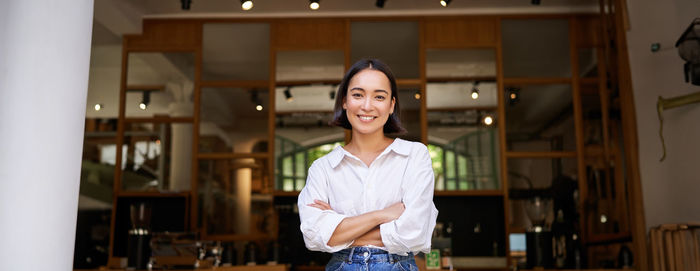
(366, 104)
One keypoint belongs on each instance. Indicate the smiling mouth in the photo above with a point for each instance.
(366, 118)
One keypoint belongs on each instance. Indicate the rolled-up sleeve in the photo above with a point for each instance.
(317, 226)
(413, 230)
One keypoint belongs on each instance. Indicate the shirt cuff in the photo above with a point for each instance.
(387, 231)
(326, 229)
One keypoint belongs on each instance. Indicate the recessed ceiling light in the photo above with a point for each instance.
(246, 4)
(98, 107)
(314, 5)
(445, 3)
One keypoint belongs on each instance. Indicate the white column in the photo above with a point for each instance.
(181, 148)
(243, 195)
(44, 64)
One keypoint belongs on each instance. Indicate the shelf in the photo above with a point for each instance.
(608, 238)
(537, 81)
(458, 193)
(286, 193)
(152, 194)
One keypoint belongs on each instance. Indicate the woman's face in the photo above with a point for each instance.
(368, 103)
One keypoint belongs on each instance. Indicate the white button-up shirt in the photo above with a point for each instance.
(403, 172)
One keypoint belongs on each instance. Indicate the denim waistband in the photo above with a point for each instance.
(369, 254)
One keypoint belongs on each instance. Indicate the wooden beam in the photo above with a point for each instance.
(500, 83)
(629, 128)
(537, 80)
(540, 155)
(235, 84)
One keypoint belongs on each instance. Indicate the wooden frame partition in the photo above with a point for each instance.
(444, 32)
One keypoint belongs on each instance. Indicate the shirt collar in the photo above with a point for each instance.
(399, 146)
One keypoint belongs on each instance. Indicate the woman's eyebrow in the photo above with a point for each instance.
(381, 90)
(357, 88)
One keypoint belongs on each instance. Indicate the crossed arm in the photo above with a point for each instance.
(364, 228)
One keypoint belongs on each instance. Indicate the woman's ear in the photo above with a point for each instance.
(393, 104)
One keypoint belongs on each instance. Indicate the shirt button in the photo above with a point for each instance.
(366, 253)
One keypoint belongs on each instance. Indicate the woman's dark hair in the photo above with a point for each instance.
(393, 124)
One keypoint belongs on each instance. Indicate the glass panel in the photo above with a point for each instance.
(540, 118)
(160, 84)
(302, 132)
(395, 43)
(157, 157)
(300, 139)
(536, 48)
(547, 178)
(456, 63)
(409, 114)
(233, 120)
(227, 56)
(233, 197)
(464, 149)
(459, 95)
(97, 171)
(587, 62)
(604, 172)
(310, 65)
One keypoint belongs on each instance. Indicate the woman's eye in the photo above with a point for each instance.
(381, 98)
(357, 95)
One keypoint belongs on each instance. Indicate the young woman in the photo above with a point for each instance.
(369, 203)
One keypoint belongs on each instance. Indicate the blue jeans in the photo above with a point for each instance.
(370, 259)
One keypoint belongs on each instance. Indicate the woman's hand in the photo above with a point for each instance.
(393, 212)
(321, 205)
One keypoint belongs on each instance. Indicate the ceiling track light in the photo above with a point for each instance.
(445, 3)
(288, 94)
(256, 100)
(488, 120)
(145, 100)
(331, 94)
(185, 4)
(475, 91)
(314, 4)
(535, 2)
(99, 107)
(380, 3)
(246, 4)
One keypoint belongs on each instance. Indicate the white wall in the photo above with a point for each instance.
(670, 187)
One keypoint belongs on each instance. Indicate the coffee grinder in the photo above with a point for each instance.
(538, 238)
(139, 249)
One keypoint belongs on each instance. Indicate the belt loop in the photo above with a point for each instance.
(391, 258)
(352, 250)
